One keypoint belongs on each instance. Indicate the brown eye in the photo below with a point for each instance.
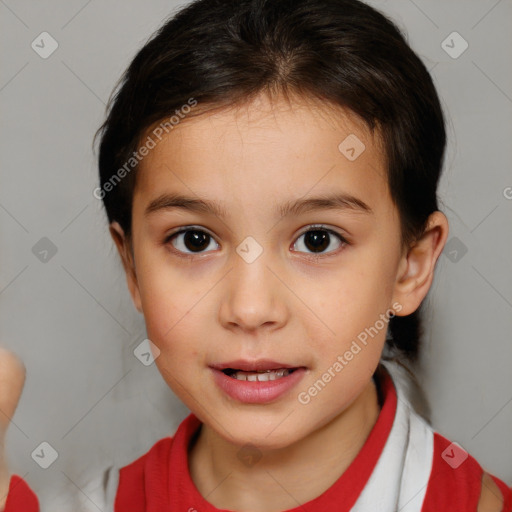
(318, 240)
(193, 240)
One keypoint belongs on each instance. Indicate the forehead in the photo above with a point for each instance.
(266, 149)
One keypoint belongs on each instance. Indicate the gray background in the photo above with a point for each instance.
(70, 317)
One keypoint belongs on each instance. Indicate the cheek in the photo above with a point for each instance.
(348, 308)
(175, 312)
(167, 302)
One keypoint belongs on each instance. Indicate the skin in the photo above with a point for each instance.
(12, 379)
(287, 305)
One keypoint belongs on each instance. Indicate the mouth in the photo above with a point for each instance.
(260, 376)
(260, 369)
(259, 381)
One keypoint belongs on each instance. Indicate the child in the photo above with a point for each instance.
(269, 170)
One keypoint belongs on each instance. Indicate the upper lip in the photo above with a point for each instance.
(255, 365)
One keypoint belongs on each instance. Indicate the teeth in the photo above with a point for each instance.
(261, 376)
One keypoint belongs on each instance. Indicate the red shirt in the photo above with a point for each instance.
(160, 481)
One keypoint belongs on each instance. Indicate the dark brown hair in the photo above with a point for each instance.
(343, 52)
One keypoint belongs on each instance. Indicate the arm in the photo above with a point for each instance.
(492, 498)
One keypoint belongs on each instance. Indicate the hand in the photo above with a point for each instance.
(12, 379)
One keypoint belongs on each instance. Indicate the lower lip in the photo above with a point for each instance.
(256, 392)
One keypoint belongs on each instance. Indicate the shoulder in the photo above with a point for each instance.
(491, 498)
(452, 478)
(158, 452)
(148, 473)
(457, 480)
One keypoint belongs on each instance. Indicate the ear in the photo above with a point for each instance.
(416, 268)
(123, 245)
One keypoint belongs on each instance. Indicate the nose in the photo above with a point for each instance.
(253, 297)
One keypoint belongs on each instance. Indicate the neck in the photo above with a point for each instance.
(282, 479)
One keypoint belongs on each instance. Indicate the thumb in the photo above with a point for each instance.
(12, 379)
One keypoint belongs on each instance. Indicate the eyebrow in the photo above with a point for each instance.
(293, 207)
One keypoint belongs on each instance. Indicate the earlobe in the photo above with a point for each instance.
(416, 269)
(124, 248)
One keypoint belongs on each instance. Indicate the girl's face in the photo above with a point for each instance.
(298, 263)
